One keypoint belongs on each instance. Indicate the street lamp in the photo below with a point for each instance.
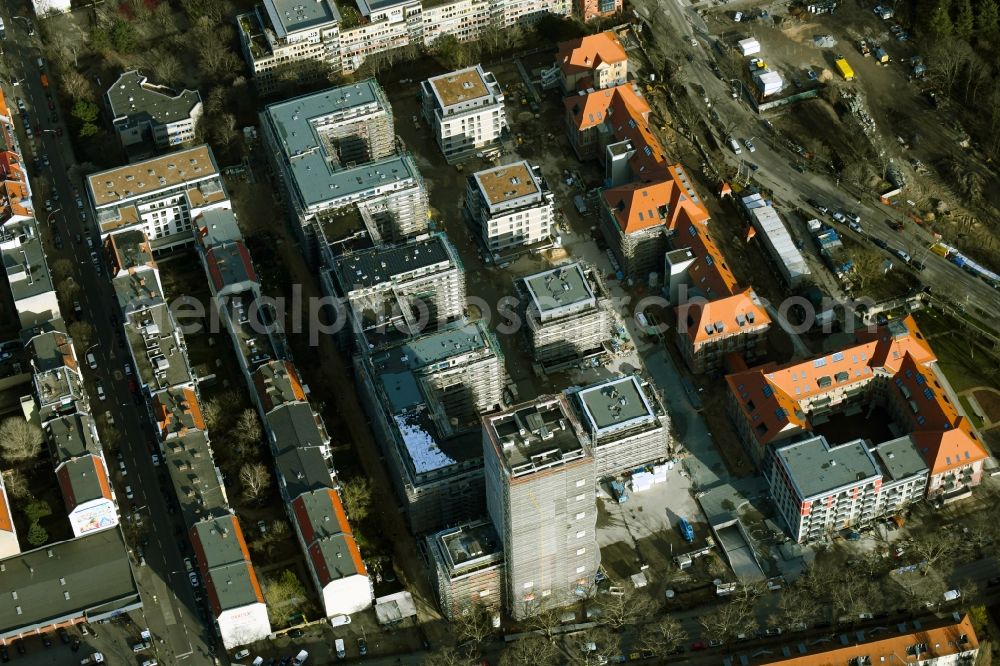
(48, 220)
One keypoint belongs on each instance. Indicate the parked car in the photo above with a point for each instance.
(839, 216)
(895, 225)
(880, 243)
(193, 577)
(362, 647)
(128, 492)
(749, 144)
(101, 395)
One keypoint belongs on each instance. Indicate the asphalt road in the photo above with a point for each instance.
(673, 19)
(170, 610)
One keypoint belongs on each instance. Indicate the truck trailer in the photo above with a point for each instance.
(844, 68)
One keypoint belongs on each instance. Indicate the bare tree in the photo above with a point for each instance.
(16, 484)
(211, 410)
(357, 495)
(734, 617)
(935, 549)
(662, 635)
(62, 269)
(530, 651)
(544, 621)
(255, 480)
(248, 430)
(19, 439)
(67, 290)
(474, 626)
(593, 646)
(82, 334)
(446, 656)
(619, 610)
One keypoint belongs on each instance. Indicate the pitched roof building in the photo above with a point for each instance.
(592, 61)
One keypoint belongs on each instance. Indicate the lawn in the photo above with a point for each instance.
(964, 364)
(971, 413)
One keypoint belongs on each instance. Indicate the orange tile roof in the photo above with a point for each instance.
(638, 206)
(950, 449)
(6, 521)
(586, 53)
(309, 533)
(709, 273)
(775, 392)
(592, 109)
(170, 404)
(939, 641)
(728, 310)
(4, 109)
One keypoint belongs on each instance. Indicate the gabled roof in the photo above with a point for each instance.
(592, 109)
(671, 202)
(333, 552)
(709, 274)
(278, 383)
(225, 564)
(229, 264)
(177, 411)
(6, 519)
(586, 53)
(82, 480)
(949, 449)
(725, 316)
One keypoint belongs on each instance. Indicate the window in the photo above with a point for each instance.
(581, 569)
(529, 585)
(581, 497)
(581, 534)
(581, 551)
(485, 593)
(581, 515)
(580, 483)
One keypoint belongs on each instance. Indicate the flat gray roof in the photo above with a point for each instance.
(138, 287)
(816, 468)
(160, 361)
(316, 177)
(289, 16)
(27, 272)
(294, 425)
(615, 402)
(899, 459)
(549, 438)
(559, 287)
(128, 96)
(52, 349)
(132, 248)
(72, 436)
(92, 570)
(303, 469)
(378, 265)
(218, 225)
(470, 543)
(221, 551)
(198, 489)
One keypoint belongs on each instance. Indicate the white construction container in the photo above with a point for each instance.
(769, 83)
(749, 46)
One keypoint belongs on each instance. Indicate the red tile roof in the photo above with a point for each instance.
(6, 522)
(728, 311)
(670, 202)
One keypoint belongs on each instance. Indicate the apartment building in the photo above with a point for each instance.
(234, 594)
(592, 61)
(82, 473)
(87, 579)
(468, 568)
(540, 480)
(637, 219)
(9, 546)
(527, 13)
(892, 368)
(466, 20)
(904, 475)
(567, 312)
(708, 331)
(384, 25)
(465, 110)
(396, 291)
(511, 207)
(334, 558)
(160, 196)
(593, 9)
(290, 40)
(424, 398)
(818, 488)
(332, 152)
(932, 641)
(151, 118)
(28, 276)
(626, 423)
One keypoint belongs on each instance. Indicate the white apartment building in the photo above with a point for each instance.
(146, 115)
(528, 12)
(385, 25)
(280, 33)
(511, 206)
(465, 19)
(159, 196)
(540, 479)
(818, 488)
(568, 314)
(466, 112)
(905, 474)
(28, 274)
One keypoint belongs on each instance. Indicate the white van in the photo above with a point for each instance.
(300, 658)
(734, 145)
(339, 645)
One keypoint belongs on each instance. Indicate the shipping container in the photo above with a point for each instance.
(845, 69)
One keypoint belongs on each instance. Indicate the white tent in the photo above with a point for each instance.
(749, 46)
